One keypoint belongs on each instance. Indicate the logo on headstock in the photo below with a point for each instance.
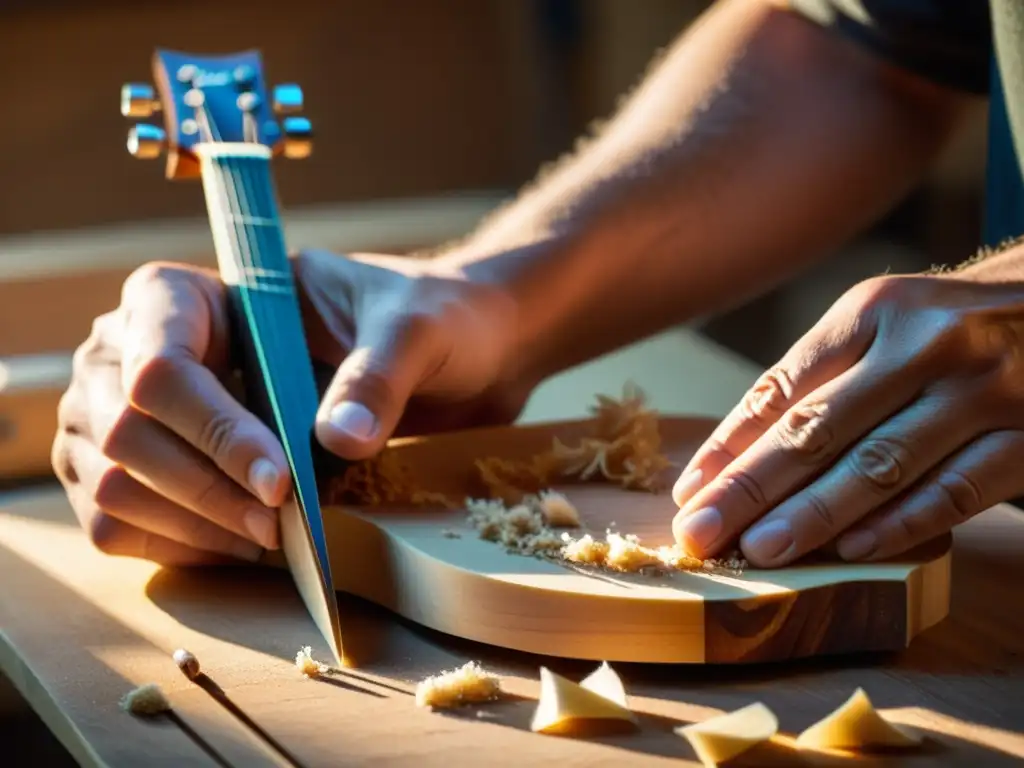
(204, 79)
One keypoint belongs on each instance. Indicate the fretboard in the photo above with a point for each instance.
(253, 262)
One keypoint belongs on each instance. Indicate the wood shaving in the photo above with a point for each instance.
(307, 665)
(623, 447)
(521, 510)
(557, 510)
(147, 701)
(468, 684)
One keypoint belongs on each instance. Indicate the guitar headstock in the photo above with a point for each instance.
(212, 99)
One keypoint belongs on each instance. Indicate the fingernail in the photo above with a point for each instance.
(354, 419)
(262, 527)
(686, 486)
(857, 545)
(700, 530)
(768, 541)
(263, 477)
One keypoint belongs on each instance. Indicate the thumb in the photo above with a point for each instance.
(368, 395)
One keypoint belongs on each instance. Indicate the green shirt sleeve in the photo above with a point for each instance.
(946, 41)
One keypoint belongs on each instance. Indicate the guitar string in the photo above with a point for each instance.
(217, 191)
(231, 186)
(297, 402)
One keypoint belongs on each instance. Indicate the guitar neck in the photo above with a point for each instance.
(241, 200)
(242, 204)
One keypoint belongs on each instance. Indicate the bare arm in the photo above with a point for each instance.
(756, 144)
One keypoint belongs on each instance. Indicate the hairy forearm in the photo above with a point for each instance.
(756, 144)
(1004, 264)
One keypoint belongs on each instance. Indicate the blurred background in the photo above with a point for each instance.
(436, 108)
(409, 99)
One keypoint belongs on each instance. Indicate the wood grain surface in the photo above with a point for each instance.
(534, 605)
(80, 628)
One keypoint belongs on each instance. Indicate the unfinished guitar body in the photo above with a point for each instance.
(430, 566)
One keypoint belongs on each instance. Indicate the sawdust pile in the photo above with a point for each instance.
(468, 684)
(382, 479)
(147, 700)
(521, 511)
(307, 665)
(523, 529)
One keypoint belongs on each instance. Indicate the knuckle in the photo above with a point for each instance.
(943, 345)
(68, 408)
(805, 432)
(997, 399)
(715, 456)
(420, 326)
(148, 381)
(769, 397)
(951, 336)
(1002, 362)
(112, 487)
(95, 344)
(374, 380)
(879, 292)
(743, 483)
(996, 345)
(911, 527)
(60, 460)
(820, 509)
(107, 534)
(117, 441)
(149, 273)
(962, 498)
(218, 436)
(80, 358)
(880, 463)
(378, 387)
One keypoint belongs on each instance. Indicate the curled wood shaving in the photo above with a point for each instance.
(624, 447)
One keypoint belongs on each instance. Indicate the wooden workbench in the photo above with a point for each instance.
(79, 629)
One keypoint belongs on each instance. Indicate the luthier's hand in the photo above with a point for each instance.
(159, 458)
(898, 416)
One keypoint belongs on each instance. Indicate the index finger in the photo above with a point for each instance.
(828, 349)
(177, 324)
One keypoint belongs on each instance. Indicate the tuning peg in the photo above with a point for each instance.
(138, 100)
(146, 141)
(287, 99)
(298, 138)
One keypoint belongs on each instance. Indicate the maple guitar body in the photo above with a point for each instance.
(429, 565)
